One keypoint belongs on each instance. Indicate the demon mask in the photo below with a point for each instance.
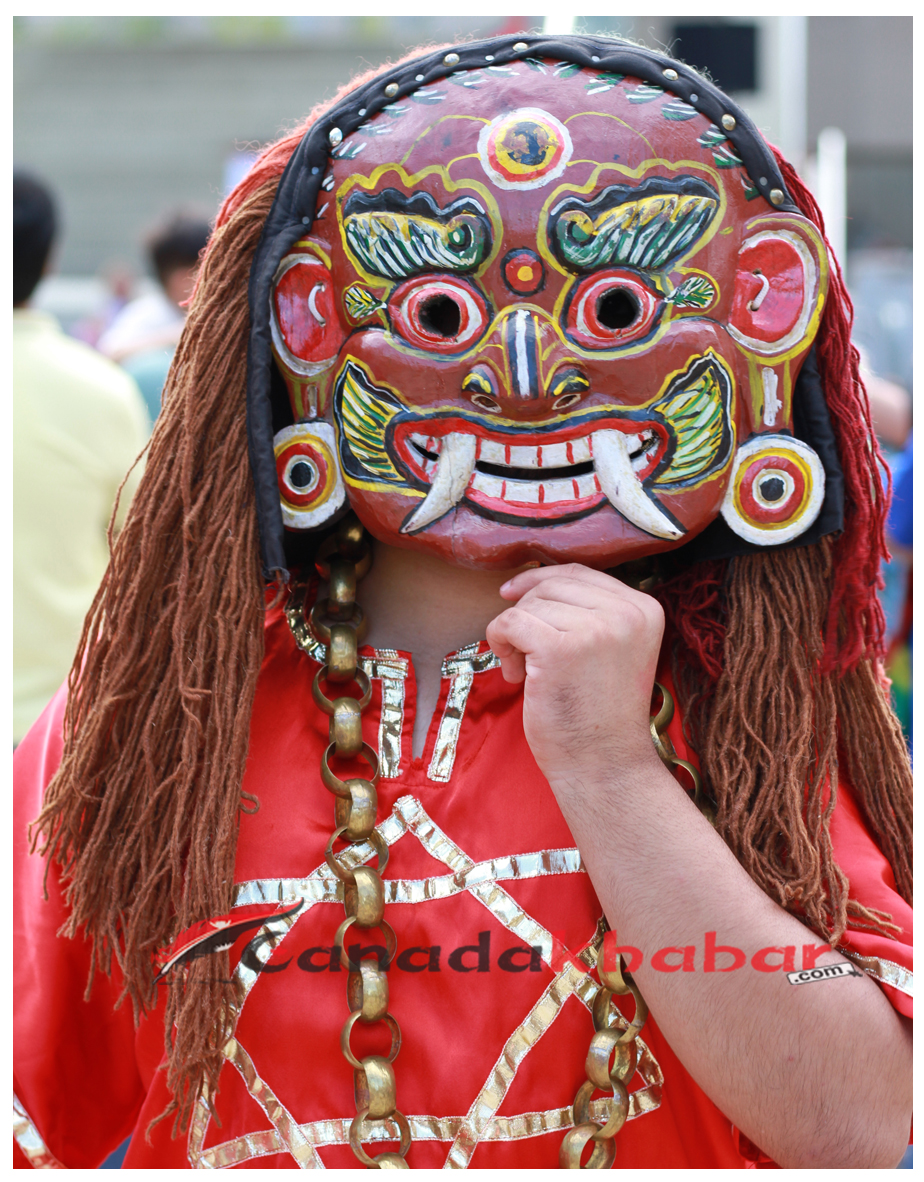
(545, 311)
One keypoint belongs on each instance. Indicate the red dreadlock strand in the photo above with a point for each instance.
(855, 624)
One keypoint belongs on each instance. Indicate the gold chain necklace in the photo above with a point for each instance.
(614, 1049)
(338, 622)
(614, 1052)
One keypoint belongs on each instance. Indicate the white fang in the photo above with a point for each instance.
(622, 489)
(454, 470)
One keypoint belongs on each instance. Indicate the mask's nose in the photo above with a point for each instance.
(521, 345)
(524, 367)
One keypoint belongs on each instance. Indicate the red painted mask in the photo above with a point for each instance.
(543, 313)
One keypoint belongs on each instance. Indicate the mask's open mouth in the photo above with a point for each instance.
(545, 473)
(530, 475)
(542, 476)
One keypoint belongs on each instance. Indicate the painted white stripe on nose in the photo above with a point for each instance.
(522, 360)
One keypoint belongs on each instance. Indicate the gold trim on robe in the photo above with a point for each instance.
(387, 666)
(30, 1140)
(481, 1123)
(461, 669)
(886, 971)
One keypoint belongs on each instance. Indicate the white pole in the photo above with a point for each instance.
(792, 86)
(831, 188)
(559, 25)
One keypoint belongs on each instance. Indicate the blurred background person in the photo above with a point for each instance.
(891, 409)
(119, 280)
(143, 336)
(899, 533)
(890, 405)
(78, 424)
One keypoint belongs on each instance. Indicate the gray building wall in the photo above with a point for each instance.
(123, 134)
(125, 131)
(861, 79)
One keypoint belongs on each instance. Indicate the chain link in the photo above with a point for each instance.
(614, 1051)
(610, 1064)
(338, 623)
(660, 721)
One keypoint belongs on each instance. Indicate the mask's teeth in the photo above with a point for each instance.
(453, 472)
(619, 483)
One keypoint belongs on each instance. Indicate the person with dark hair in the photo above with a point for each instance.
(78, 426)
(34, 223)
(175, 250)
(144, 335)
(540, 359)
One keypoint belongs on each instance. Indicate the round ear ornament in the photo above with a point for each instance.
(303, 319)
(310, 485)
(776, 490)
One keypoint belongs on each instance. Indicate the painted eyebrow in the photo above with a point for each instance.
(645, 226)
(396, 236)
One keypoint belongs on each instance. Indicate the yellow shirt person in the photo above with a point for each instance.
(78, 424)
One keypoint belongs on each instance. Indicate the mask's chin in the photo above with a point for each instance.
(466, 539)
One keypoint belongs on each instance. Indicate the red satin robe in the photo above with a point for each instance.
(483, 882)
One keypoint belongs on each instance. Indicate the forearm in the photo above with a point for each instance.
(817, 1076)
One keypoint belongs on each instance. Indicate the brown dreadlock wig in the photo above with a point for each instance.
(142, 816)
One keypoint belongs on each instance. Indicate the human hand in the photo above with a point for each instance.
(587, 647)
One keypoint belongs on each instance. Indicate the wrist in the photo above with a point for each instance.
(616, 775)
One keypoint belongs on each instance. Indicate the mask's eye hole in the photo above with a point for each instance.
(440, 314)
(617, 309)
(610, 309)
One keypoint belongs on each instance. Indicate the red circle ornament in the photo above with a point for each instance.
(776, 490)
(775, 277)
(523, 272)
(310, 485)
(305, 328)
(772, 489)
(524, 149)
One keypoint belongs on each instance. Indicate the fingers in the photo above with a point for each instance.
(580, 587)
(512, 661)
(569, 572)
(513, 667)
(516, 634)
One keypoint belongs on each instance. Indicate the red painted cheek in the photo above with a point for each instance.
(778, 307)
